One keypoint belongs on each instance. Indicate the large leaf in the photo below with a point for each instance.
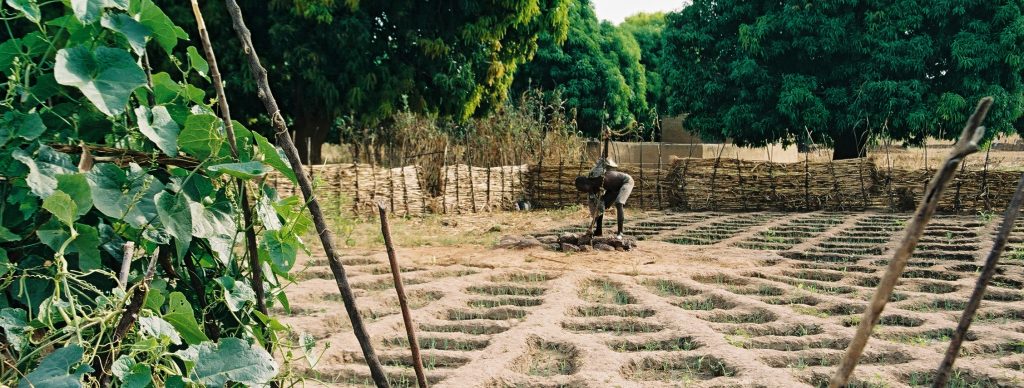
(214, 222)
(86, 245)
(135, 32)
(159, 127)
(16, 328)
(157, 327)
(5, 263)
(62, 207)
(107, 76)
(202, 137)
(164, 30)
(247, 170)
(233, 360)
(27, 126)
(140, 377)
(274, 157)
(44, 168)
(179, 314)
(173, 210)
(124, 195)
(76, 186)
(236, 293)
(89, 10)
(55, 370)
(279, 250)
(28, 7)
(265, 211)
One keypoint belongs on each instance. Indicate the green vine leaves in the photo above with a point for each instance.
(74, 76)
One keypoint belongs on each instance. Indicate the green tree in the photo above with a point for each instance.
(364, 60)
(842, 71)
(646, 29)
(596, 70)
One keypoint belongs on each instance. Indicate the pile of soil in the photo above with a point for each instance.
(569, 242)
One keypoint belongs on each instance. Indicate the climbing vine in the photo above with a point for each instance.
(122, 252)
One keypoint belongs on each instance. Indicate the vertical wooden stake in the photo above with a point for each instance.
(396, 274)
(987, 271)
(266, 95)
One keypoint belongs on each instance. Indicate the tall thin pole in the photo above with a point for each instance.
(987, 271)
(266, 95)
(396, 274)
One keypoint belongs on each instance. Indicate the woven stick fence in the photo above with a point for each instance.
(363, 185)
(478, 189)
(551, 186)
(854, 184)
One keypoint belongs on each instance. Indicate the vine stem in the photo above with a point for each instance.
(987, 271)
(104, 360)
(255, 267)
(967, 145)
(259, 74)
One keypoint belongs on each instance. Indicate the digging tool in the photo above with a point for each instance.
(966, 145)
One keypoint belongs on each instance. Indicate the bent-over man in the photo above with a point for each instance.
(616, 187)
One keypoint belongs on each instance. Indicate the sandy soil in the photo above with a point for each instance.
(756, 299)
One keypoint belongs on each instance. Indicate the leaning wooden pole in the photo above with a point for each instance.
(966, 145)
(255, 267)
(396, 273)
(326, 238)
(987, 271)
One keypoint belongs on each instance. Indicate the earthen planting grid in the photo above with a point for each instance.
(782, 319)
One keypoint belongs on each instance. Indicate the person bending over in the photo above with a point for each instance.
(604, 187)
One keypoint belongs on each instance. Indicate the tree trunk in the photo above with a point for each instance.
(850, 144)
(313, 125)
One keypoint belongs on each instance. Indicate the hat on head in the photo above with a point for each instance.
(610, 163)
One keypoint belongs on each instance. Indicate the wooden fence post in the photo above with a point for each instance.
(355, 203)
(472, 185)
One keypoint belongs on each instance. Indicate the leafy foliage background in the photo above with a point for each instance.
(74, 73)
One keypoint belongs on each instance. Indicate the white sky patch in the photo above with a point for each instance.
(616, 11)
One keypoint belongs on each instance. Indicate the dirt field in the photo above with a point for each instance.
(756, 299)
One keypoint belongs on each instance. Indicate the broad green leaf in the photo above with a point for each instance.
(279, 250)
(274, 157)
(236, 293)
(6, 235)
(122, 367)
(56, 369)
(133, 31)
(28, 7)
(268, 216)
(243, 141)
(202, 137)
(196, 61)
(107, 76)
(27, 126)
(247, 170)
(179, 315)
(164, 30)
(296, 218)
(9, 49)
(174, 382)
(127, 196)
(165, 89)
(89, 10)
(140, 377)
(61, 206)
(157, 327)
(44, 168)
(214, 223)
(176, 218)
(76, 186)
(16, 328)
(233, 360)
(159, 127)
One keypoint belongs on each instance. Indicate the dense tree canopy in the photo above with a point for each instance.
(597, 71)
(449, 58)
(765, 71)
(646, 29)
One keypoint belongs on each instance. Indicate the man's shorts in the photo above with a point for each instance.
(613, 197)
